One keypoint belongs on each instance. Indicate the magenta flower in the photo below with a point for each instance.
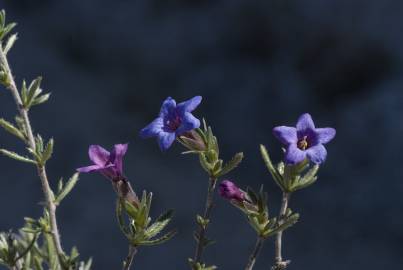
(230, 191)
(108, 164)
(173, 121)
(304, 140)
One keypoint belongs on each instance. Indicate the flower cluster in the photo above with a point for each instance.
(38, 243)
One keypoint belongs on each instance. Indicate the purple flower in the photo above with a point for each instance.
(173, 121)
(304, 140)
(108, 164)
(230, 191)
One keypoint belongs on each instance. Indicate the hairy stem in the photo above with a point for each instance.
(47, 191)
(129, 259)
(255, 253)
(207, 212)
(279, 263)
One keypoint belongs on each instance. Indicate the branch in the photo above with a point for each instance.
(47, 191)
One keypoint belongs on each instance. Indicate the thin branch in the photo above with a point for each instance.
(279, 263)
(47, 191)
(207, 212)
(255, 253)
(129, 259)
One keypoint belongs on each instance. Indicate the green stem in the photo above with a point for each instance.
(207, 212)
(47, 191)
(255, 253)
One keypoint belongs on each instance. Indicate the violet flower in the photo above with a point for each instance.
(304, 140)
(173, 121)
(108, 164)
(230, 191)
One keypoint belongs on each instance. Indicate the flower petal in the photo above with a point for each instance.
(166, 139)
(91, 168)
(317, 154)
(168, 107)
(153, 129)
(305, 122)
(294, 155)
(325, 135)
(189, 105)
(287, 135)
(119, 150)
(189, 122)
(98, 155)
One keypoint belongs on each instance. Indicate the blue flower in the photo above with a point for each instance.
(173, 121)
(304, 140)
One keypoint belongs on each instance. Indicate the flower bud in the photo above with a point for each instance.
(230, 191)
(193, 141)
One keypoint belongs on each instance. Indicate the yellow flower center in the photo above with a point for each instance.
(303, 144)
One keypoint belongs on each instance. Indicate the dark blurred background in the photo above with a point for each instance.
(110, 64)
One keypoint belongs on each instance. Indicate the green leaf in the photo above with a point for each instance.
(159, 225)
(289, 221)
(48, 151)
(60, 185)
(119, 217)
(308, 179)
(204, 163)
(33, 91)
(85, 266)
(16, 156)
(158, 241)
(273, 171)
(68, 187)
(232, 164)
(39, 144)
(40, 99)
(2, 18)
(11, 129)
(28, 248)
(24, 93)
(130, 210)
(9, 44)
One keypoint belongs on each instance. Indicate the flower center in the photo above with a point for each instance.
(173, 123)
(303, 144)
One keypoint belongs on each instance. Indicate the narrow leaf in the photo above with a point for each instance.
(158, 241)
(232, 164)
(67, 188)
(16, 156)
(9, 44)
(41, 99)
(274, 173)
(47, 153)
(32, 90)
(11, 129)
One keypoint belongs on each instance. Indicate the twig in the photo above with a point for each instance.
(129, 259)
(207, 212)
(255, 253)
(279, 263)
(47, 191)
